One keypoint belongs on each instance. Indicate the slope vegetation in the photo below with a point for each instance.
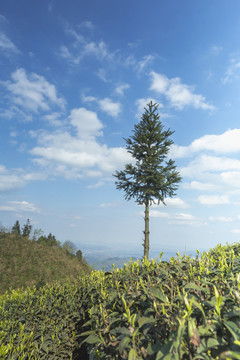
(25, 263)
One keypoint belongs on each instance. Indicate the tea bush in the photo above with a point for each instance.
(187, 308)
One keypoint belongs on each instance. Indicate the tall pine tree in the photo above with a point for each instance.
(152, 176)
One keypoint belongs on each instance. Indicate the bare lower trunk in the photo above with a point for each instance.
(146, 232)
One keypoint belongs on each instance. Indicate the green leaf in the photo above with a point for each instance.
(230, 355)
(159, 295)
(132, 355)
(90, 332)
(145, 320)
(233, 328)
(124, 343)
(92, 339)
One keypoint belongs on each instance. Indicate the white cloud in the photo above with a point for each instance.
(178, 94)
(196, 185)
(82, 48)
(19, 206)
(216, 50)
(98, 50)
(173, 203)
(86, 24)
(16, 178)
(101, 73)
(204, 164)
(220, 218)
(6, 45)
(110, 107)
(86, 122)
(112, 204)
(146, 60)
(76, 153)
(232, 71)
(54, 118)
(213, 199)
(235, 231)
(142, 103)
(107, 105)
(176, 203)
(32, 92)
(177, 218)
(156, 214)
(88, 98)
(231, 178)
(226, 143)
(96, 185)
(121, 88)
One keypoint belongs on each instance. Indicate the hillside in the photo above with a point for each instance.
(25, 263)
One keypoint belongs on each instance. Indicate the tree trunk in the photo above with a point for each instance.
(146, 232)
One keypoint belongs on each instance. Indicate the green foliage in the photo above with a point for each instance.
(69, 247)
(16, 228)
(187, 308)
(42, 323)
(152, 176)
(27, 228)
(24, 262)
(79, 255)
(49, 240)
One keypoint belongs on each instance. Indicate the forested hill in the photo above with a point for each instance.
(25, 262)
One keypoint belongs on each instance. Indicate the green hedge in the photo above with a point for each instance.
(187, 308)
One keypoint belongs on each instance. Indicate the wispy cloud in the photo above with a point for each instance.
(86, 24)
(81, 47)
(173, 203)
(76, 153)
(233, 70)
(177, 218)
(220, 219)
(110, 107)
(226, 143)
(142, 103)
(145, 61)
(216, 50)
(19, 206)
(178, 94)
(120, 89)
(213, 200)
(197, 185)
(107, 105)
(6, 45)
(235, 231)
(101, 73)
(32, 92)
(11, 179)
(111, 204)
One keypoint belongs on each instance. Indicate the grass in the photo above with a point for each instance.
(26, 263)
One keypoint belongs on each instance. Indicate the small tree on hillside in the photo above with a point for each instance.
(152, 176)
(79, 255)
(69, 247)
(16, 228)
(27, 228)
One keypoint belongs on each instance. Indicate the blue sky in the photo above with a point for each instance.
(74, 79)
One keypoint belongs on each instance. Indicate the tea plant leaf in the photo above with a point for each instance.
(145, 320)
(124, 344)
(92, 339)
(159, 295)
(132, 355)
